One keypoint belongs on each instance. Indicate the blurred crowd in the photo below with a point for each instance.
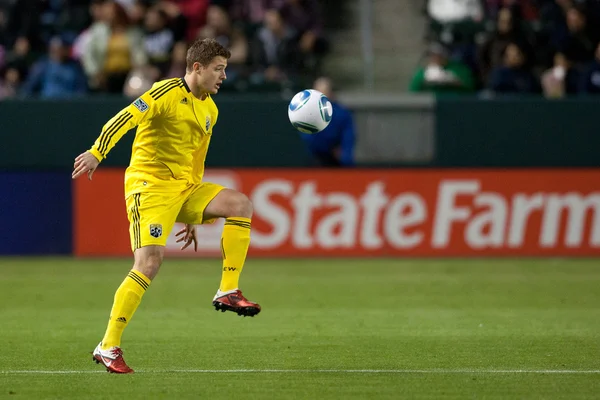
(507, 47)
(62, 48)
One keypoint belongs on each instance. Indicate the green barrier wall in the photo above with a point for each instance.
(517, 132)
(254, 132)
(48, 135)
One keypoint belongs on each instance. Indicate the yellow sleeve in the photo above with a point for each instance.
(147, 106)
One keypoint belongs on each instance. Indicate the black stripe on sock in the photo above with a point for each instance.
(235, 222)
(137, 276)
(139, 280)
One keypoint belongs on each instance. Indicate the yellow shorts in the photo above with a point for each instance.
(153, 215)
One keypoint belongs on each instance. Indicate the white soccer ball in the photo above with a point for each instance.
(310, 111)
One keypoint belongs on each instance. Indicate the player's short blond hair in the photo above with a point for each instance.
(203, 51)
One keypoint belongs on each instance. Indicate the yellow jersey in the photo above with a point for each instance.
(173, 133)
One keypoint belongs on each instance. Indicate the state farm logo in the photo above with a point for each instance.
(505, 220)
(305, 216)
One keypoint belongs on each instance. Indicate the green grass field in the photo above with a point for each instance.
(329, 329)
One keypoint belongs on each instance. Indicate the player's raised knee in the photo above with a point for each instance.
(239, 205)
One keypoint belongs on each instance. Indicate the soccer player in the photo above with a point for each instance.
(163, 185)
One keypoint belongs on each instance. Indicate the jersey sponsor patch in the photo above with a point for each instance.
(140, 105)
(156, 230)
(207, 123)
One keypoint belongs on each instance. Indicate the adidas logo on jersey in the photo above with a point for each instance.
(183, 101)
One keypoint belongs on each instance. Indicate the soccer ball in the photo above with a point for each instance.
(310, 111)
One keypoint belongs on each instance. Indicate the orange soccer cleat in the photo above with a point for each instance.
(112, 359)
(236, 302)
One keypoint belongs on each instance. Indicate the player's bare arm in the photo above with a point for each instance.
(85, 162)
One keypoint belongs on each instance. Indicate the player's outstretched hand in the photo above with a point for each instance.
(85, 162)
(189, 237)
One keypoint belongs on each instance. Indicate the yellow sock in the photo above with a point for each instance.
(127, 299)
(234, 247)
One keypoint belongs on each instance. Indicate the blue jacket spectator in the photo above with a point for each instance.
(510, 80)
(56, 76)
(514, 76)
(334, 145)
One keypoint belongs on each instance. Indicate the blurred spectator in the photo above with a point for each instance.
(97, 15)
(274, 51)
(525, 8)
(65, 17)
(454, 11)
(581, 37)
(158, 41)
(514, 76)
(113, 49)
(23, 21)
(452, 21)
(304, 16)
(178, 22)
(3, 25)
(9, 83)
(508, 30)
(562, 79)
(194, 12)
(139, 81)
(219, 26)
(442, 75)
(248, 12)
(137, 12)
(590, 80)
(178, 60)
(334, 145)
(57, 75)
(124, 44)
(21, 57)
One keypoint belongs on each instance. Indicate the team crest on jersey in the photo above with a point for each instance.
(156, 230)
(140, 105)
(207, 123)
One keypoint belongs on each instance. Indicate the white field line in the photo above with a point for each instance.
(313, 371)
